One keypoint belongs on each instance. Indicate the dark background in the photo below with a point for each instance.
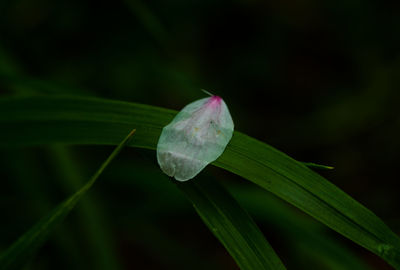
(319, 80)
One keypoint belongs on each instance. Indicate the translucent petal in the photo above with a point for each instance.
(196, 137)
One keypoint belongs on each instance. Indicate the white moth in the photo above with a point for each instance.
(196, 137)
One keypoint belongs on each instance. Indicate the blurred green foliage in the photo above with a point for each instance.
(318, 80)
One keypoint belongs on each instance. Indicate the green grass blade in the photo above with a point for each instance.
(95, 231)
(233, 227)
(43, 120)
(30, 183)
(21, 250)
(318, 166)
(307, 238)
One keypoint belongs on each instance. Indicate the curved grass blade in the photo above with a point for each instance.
(233, 227)
(29, 183)
(42, 120)
(21, 250)
(307, 238)
(318, 166)
(94, 226)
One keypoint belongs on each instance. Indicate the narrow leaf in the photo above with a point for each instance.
(22, 250)
(307, 238)
(233, 227)
(39, 120)
(318, 166)
(93, 225)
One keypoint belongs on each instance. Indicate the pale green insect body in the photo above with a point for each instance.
(196, 137)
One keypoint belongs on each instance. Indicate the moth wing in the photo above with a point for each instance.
(219, 134)
(224, 125)
(181, 152)
(188, 111)
(175, 154)
(179, 166)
